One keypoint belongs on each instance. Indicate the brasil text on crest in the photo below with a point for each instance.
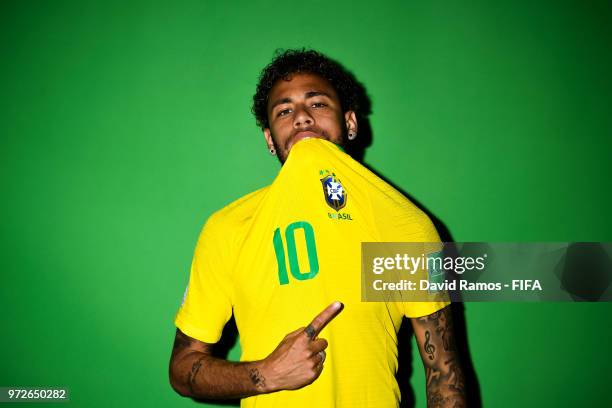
(335, 195)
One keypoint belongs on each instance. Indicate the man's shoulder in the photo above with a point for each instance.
(238, 211)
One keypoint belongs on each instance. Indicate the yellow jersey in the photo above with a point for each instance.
(278, 256)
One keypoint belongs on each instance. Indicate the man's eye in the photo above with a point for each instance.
(318, 105)
(284, 112)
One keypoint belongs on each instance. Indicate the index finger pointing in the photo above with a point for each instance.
(322, 319)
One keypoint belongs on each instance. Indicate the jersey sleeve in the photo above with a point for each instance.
(422, 230)
(207, 304)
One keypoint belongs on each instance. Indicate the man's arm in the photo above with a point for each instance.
(195, 373)
(443, 371)
(297, 361)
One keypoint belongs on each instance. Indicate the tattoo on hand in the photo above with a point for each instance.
(257, 378)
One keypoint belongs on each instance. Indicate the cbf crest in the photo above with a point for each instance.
(333, 190)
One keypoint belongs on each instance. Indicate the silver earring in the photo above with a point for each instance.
(352, 135)
(272, 151)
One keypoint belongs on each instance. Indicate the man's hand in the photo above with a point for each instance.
(298, 359)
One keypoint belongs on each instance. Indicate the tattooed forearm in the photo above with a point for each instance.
(436, 399)
(431, 375)
(455, 380)
(450, 375)
(257, 378)
(441, 324)
(445, 381)
(194, 372)
(428, 347)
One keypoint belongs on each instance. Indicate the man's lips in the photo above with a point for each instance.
(300, 136)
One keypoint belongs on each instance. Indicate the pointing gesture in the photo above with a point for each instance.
(319, 322)
(298, 359)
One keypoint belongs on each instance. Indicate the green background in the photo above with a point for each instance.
(123, 125)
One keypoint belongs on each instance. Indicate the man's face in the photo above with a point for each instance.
(303, 106)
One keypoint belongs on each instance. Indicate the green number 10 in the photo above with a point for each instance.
(311, 249)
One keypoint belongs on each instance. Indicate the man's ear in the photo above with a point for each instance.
(268, 137)
(351, 121)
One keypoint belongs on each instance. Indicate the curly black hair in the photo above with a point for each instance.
(292, 61)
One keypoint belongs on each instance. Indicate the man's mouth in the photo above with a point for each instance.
(301, 136)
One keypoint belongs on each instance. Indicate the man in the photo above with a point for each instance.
(286, 253)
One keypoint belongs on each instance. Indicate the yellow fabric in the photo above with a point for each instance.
(235, 270)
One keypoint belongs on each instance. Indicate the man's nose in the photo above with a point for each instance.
(302, 117)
